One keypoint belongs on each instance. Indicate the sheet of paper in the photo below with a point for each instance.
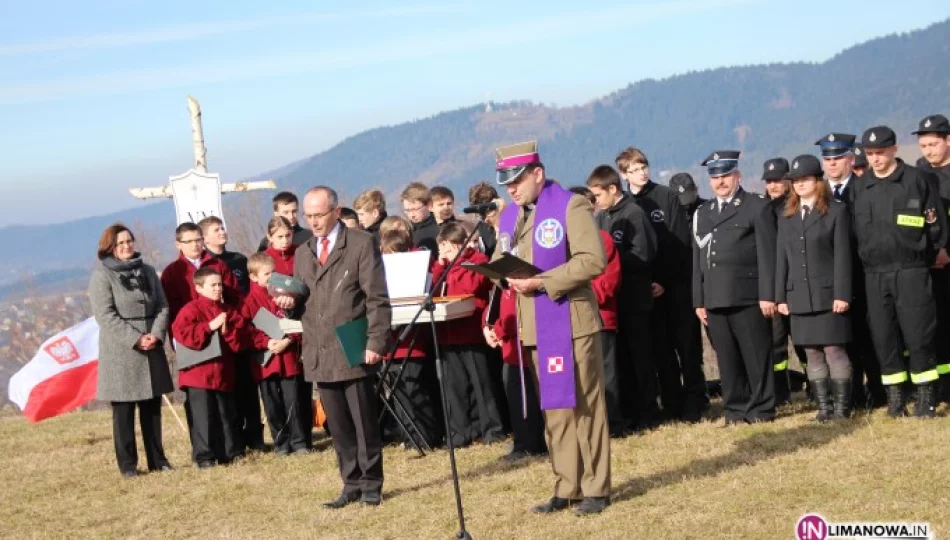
(186, 358)
(406, 273)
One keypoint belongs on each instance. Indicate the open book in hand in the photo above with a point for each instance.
(507, 266)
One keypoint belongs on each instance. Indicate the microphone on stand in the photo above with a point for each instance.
(481, 209)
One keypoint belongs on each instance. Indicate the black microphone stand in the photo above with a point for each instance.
(429, 305)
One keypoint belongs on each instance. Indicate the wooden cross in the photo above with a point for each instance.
(201, 165)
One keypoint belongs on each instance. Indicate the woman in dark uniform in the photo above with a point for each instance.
(813, 283)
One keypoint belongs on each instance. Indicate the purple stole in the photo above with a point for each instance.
(552, 318)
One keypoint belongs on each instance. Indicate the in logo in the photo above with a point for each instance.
(795, 166)
(831, 137)
(556, 364)
(873, 137)
(618, 236)
(657, 216)
(927, 124)
(771, 166)
(549, 233)
(62, 351)
(811, 527)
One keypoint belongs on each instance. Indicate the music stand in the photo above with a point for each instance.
(429, 305)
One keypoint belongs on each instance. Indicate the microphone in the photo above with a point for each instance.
(480, 208)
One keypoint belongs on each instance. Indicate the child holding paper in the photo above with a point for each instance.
(209, 385)
(418, 377)
(278, 378)
(467, 371)
(281, 248)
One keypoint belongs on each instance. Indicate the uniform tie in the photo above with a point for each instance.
(838, 192)
(805, 210)
(324, 250)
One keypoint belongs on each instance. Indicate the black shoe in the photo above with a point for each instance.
(556, 504)
(130, 474)
(895, 401)
(371, 499)
(591, 505)
(165, 467)
(822, 392)
(259, 447)
(692, 414)
(343, 500)
(206, 464)
(841, 392)
(926, 401)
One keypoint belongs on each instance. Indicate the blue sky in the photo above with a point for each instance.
(92, 93)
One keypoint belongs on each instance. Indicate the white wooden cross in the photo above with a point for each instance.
(197, 193)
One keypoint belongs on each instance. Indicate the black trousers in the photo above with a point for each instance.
(901, 303)
(528, 431)
(413, 393)
(868, 390)
(941, 290)
(123, 433)
(637, 369)
(213, 426)
(247, 403)
(282, 407)
(678, 351)
(616, 420)
(470, 392)
(351, 408)
(742, 337)
(305, 401)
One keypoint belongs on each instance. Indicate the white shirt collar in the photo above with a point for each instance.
(842, 183)
(195, 262)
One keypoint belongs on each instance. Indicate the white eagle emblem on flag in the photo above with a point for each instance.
(62, 351)
(556, 364)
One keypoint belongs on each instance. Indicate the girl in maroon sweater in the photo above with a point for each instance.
(209, 385)
(278, 378)
(473, 408)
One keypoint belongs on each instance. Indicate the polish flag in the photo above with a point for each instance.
(62, 375)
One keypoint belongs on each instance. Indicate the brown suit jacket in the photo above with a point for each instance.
(586, 260)
(350, 285)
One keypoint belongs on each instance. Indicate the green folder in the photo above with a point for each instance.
(353, 336)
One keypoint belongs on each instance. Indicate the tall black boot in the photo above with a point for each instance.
(841, 390)
(926, 400)
(822, 391)
(944, 385)
(783, 394)
(895, 401)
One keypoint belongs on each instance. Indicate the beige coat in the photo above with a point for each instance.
(350, 285)
(586, 260)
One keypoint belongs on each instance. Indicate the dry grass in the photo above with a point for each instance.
(59, 479)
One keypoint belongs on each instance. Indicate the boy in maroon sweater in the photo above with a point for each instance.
(278, 379)
(177, 278)
(209, 385)
(468, 380)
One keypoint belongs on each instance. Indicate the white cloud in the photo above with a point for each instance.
(187, 32)
(538, 29)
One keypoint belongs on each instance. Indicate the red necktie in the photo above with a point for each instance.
(324, 250)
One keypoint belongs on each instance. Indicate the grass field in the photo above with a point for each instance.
(59, 479)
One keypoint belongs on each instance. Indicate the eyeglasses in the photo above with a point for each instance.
(414, 209)
(320, 215)
(192, 241)
(637, 170)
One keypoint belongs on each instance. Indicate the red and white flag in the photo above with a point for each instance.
(62, 375)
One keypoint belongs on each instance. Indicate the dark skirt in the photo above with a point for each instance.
(821, 328)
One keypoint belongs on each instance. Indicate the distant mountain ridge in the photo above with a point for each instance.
(764, 110)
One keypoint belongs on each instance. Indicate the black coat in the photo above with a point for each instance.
(671, 225)
(734, 252)
(635, 239)
(813, 260)
(424, 235)
(899, 220)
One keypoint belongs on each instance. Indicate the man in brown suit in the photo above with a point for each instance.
(577, 437)
(345, 274)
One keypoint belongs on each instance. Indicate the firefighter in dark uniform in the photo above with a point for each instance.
(688, 194)
(933, 138)
(838, 153)
(776, 189)
(677, 343)
(733, 288)
(900, 224)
